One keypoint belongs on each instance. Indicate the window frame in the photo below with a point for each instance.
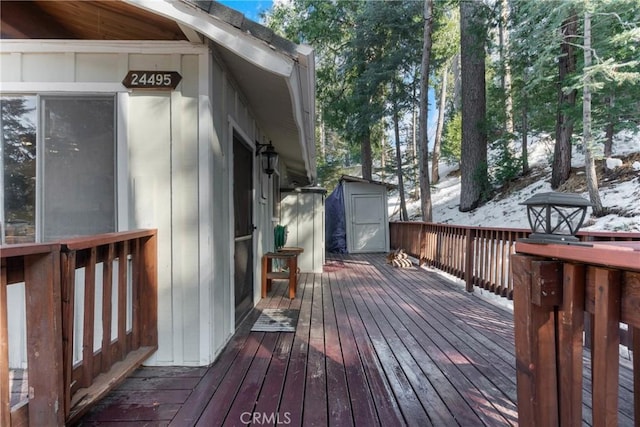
(120, 161)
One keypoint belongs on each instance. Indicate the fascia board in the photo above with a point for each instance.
(100, 46)
(305, 128)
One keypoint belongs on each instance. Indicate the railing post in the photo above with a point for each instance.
(44, 339)
(535, 337)
(423, 244)
(570, 331)
(635, 347)
(468, 261)
(149, 291)
(605, 346)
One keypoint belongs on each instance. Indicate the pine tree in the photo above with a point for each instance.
(473, 165)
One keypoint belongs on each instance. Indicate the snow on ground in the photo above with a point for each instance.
(508, 212)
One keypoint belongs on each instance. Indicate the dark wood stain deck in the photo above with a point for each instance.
(374, 345)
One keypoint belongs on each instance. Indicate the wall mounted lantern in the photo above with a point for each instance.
(269, 157)
(555, 217)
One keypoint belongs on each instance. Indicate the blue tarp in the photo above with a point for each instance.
(335, 224)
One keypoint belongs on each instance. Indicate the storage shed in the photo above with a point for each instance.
(302, 212)
(357, 218)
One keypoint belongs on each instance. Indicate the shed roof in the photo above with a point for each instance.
(350, 178)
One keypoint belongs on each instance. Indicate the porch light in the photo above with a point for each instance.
(555, 217)
(269, 157)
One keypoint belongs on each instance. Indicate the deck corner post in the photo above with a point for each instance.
(468, 260)
(44, 338)
(535, 341)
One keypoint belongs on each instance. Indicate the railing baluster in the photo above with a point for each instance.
(68, 282)
(135, 296)
(506, 241)
(122, 299)
(469, 257)
(89, 318)
(107, 301)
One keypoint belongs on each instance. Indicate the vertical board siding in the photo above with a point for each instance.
(151, 200)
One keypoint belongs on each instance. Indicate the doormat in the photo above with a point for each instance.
(276, 320)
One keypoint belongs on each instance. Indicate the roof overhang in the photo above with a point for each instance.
(277, 77)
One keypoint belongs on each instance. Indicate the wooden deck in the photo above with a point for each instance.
(374, 345)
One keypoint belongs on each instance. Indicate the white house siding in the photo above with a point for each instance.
(302, 212)
(174, 153)
(221, 314)
(163, 160)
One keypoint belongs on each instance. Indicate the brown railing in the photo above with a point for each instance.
(556, 288)
(61, 385)
(480, 256)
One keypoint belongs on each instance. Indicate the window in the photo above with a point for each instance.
(58, 157)
(18, 158)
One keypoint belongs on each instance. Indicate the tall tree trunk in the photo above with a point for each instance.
(435, 173)
(457, 83)
(425, 189)
(564, 125)
(323, 136)
(404, 216)
(474, 179)
(414, 143)
(590, 166)
(525, 138)
(608, 133)
(504, 56)
(366, 157)
(383, 156)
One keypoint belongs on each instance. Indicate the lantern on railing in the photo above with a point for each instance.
(555, 217)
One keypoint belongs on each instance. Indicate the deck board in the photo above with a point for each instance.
(374, 345)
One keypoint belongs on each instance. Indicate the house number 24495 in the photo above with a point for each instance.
(152, 80)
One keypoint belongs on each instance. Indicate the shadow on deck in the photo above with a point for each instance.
(374, 345)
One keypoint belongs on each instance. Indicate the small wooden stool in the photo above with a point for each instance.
(289, 254)
(293, 250)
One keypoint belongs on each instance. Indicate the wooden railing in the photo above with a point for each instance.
(63, 386)
(478, 255)
(556, 288)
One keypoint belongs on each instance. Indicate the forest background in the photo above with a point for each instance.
(501, 73)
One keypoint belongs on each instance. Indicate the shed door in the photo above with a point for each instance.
(368, 223)
(243, 209)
